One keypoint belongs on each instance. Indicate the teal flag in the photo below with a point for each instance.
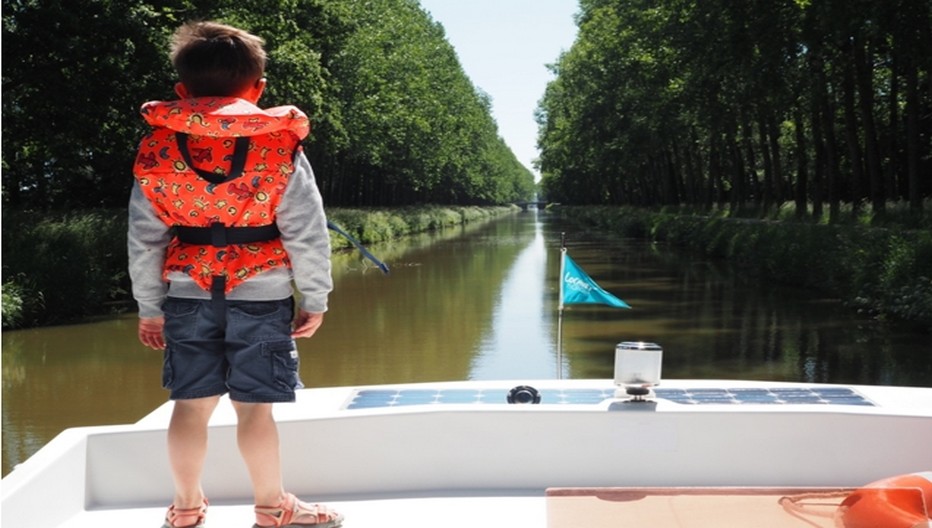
(579, 288)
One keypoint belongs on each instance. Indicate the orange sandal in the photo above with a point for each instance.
(292, 513)
(188, 518)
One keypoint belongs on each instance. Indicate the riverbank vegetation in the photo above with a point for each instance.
(68, 267)
(882, 271)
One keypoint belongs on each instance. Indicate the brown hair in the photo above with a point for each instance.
(215, 59)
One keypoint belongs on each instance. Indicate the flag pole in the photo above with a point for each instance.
(560, 308)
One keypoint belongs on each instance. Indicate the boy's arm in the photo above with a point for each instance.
(303, 225)
(147, 238)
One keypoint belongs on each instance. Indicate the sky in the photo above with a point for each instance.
(504, 47)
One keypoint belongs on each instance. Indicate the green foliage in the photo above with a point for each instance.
(65, 267)
(757, 102)
(395, 119)
(418, 130)
(73, 80)
(12, 304)
(379, 225)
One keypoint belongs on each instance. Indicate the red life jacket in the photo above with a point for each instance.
(219, 167)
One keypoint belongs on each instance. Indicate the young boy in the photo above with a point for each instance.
(224, 213)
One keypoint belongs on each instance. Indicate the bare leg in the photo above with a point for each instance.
(257, 435)
(187, 448)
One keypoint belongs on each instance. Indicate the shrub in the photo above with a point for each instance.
(64, 266)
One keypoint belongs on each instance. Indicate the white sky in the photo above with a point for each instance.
(504, 47)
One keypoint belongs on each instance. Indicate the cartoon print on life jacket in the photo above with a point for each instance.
(200, 155)
(198, 119)
(241, 192)
(147, 160)
(159, 187)
(212, 125)
(254, 124)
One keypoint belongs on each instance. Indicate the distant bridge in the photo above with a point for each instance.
(536, 204)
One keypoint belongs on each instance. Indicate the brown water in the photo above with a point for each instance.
(481, 303)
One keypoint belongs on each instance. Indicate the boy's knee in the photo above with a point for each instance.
(196, 409)
(250, 410)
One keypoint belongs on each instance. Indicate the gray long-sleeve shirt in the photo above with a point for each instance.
(303, 224)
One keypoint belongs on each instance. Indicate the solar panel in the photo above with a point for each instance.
(376, 398)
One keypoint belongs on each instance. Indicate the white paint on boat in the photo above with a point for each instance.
(489, 464)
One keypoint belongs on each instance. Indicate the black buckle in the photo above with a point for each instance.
(218, 235)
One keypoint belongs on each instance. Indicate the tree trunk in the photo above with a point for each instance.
(750, 161)
(778, 183)
(737, 168)
(912, 137)
(767, 192)
(851, 135)
(892, 186)
(863, 74)
(802, 163)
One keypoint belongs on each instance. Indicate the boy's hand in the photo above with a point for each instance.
(150, 332)
(306, 323)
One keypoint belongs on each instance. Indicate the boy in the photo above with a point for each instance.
(224, 213)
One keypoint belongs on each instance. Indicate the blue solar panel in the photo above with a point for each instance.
(377, 398)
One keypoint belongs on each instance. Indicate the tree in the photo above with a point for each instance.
(395, 119)
(680, 101)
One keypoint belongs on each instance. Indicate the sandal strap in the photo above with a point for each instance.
(195, 516)
(293, 512)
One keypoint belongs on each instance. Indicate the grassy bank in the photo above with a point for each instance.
(884, 271)
(72, 266)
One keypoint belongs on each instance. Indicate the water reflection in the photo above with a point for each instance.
(425, 321)
(520, 343)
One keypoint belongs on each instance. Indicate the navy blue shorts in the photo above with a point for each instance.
(252, 356)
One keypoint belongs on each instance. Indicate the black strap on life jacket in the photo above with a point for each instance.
(219, 235)
(240, 149)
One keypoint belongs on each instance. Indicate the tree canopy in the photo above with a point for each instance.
(395, 119)
(748, 103)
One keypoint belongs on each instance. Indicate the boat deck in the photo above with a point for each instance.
(446, 512)
(456, 454)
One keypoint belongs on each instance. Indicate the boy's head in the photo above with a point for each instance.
(217, 60)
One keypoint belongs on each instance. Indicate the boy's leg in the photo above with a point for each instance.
(187, 448)
(257, 436)
(263, 362)
(263, 369)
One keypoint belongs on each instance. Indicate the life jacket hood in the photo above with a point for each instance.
(224, 117)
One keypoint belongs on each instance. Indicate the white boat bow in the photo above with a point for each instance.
(452, 454)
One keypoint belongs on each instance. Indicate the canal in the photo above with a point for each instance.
(480, 302)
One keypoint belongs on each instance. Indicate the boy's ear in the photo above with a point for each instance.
(182, 91)
(253, 93)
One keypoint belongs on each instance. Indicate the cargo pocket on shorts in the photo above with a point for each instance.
(284, 358)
